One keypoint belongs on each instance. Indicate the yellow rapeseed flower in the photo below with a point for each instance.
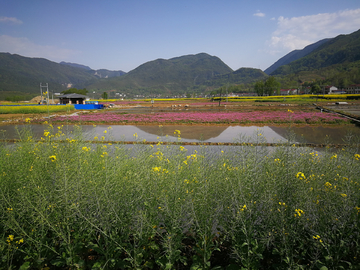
(10, 238)
(300, 175)
(317, 237)
(299, 212)
(53, 158)
(328, 185)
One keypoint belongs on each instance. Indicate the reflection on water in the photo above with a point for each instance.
(319, 134)
(196, 133)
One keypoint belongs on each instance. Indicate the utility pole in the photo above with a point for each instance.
(46, 92)
(220, 96)
(227, 92)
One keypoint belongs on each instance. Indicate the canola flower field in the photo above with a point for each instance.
(32, 109)
(72, 204)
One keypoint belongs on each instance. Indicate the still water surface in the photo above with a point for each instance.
(196, 133)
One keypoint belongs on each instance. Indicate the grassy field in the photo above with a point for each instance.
(34, 109)
(78, 205)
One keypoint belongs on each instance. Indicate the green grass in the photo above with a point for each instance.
(79, 205)
(28, 109)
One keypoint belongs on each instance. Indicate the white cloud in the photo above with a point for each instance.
(10, 20)
(259, 14)
(25, 47)
(298, 32)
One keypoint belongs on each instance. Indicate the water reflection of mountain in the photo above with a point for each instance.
(187, 132)
(317, 134)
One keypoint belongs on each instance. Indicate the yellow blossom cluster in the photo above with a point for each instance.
(299, 212)
(10, 238)
(317, 237)
(300, 175)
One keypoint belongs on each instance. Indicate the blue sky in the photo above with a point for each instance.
(123, 34)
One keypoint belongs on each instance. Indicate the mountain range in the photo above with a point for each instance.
(341, 50)
(295, 55)
(333, 58)
(101, 73)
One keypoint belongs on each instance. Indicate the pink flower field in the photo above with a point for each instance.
(270, 117)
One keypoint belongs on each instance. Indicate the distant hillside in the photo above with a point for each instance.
(295, 55)
(240, 76)
(342, 50)
(104, 73)
(75, 65)
(101, 73)
(174, 75)
(21, 75)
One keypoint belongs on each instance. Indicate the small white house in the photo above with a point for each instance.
(331, 89)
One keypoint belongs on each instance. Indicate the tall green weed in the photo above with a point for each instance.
(107, 206)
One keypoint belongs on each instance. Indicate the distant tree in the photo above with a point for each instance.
(259, 88)
(75, 91)
(104, 95)
(343, 83)
(14, 98)
(272, 86)
(315, 89)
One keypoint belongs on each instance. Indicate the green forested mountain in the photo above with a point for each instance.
(101, 73)
(22, 75)
(175, 75)
(240, 76)
(335, 61)
(294, 55)
(341, 50)
(75, 65)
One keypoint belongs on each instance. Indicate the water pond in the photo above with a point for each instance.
(199, 133)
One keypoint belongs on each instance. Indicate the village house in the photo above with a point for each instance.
(330, 89)
(353, 89)
(72, 99)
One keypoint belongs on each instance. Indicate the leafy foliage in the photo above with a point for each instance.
(104, 95)
(269, 87)
(76, 91)
(68, 203)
